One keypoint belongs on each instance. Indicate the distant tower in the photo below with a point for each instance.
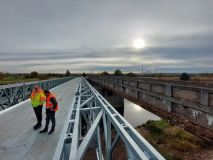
(142, 69)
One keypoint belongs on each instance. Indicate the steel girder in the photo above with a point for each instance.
(89, 125)
(15, 93)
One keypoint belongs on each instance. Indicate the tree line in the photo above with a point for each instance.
(34, 75)
(117, 72)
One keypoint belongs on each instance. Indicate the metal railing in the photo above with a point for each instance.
(15, 93)
(92, 123)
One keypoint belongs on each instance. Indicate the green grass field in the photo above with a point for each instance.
(16, 79)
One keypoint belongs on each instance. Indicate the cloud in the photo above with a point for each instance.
(50, 36)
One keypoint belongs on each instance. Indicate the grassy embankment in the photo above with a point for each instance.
(172, 142)
(15, 79)
(175, 143)
(193, 78)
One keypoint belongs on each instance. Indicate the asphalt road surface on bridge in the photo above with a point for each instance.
(18, 140)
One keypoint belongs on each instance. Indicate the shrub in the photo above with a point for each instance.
(130, 74)
(34, 74)
(105, 73)
(117, 72)
(184, 76)
(157, 126)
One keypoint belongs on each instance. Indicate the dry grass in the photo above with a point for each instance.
(202, 78)
(172, 142)
(193, 78)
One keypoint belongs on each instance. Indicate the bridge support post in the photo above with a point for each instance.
(168, 93)
(115, 100)
(204, 98)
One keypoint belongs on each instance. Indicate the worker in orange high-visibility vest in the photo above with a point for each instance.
(51, 108)
(37, 101)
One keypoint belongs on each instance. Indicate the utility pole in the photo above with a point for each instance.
(142, 69)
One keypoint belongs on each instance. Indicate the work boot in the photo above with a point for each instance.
(51, 131)
(38, 125)
(44, 130)
(35, 125)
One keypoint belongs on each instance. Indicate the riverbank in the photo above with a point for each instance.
(175, 143)
(172, 142)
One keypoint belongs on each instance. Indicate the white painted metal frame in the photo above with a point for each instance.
(15, 93)
(89, 125)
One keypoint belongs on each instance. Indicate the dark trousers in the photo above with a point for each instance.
(50, 115)
(38, 113)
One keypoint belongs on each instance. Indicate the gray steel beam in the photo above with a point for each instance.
(87, 139)
(97, 110)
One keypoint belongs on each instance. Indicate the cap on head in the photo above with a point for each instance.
(46, 92)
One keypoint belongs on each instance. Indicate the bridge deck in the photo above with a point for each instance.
(18, 140)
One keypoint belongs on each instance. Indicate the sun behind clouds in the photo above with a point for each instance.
(139, 43)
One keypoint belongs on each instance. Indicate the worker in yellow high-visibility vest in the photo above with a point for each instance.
(37, 100)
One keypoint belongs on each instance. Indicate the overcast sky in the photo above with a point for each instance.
(97, 35)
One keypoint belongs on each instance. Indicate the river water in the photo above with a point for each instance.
(136, 115)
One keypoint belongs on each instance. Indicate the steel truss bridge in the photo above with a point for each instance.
(85, 123)
(15, 93)
(92, 123)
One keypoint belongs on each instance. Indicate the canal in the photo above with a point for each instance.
(136, 115)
